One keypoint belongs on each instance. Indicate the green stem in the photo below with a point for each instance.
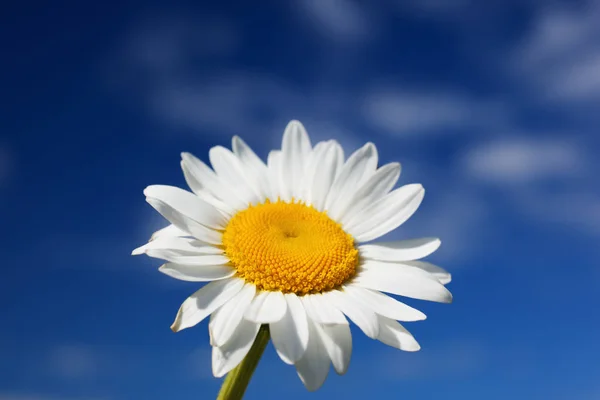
(237, 379)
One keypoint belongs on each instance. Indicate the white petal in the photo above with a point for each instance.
(384, 305)
(266, 307)
(176, 245)
(360, 314)
(337, 340)
(438, 272)
(187, 204)
(193, 228)
(310, 170)
(209, 180)
(169, 231)
(290, 334)
(340, 159)
(321, 174)
(320, 310)
(275, 174)
(229, 169)
(175, 212)
(228, 356)
(395, 335)
(377, 186)
(359, 167)
(401, 250)
(254, 167)
(202, 192)
(206, 300)
(197, 273)
(295, 148)
(387, 214)
(246, 155)
(313, 367)
(191, 260)
(194, 183)
(227, 318)
(401, 280)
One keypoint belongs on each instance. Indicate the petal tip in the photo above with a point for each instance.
(150, 191)
(219, 372)
(138, 251)
(448, 298)
(448, 279)
(176, 325)
(413, 349)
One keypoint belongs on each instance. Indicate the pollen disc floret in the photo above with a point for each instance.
(289, 247)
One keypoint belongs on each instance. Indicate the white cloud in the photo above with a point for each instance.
(255, 107)
(579, 80)
(165, 42)
(199, 363)
(459, 359)
(403, 113)
(560, 55)
(452, 214)
(73, 362)
(233, 103)
(437, 8)
(575, 210)
(343, 20)
(589, 393)
(545, 180)
(522, 160)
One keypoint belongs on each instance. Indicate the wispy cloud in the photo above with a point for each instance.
(560, 55)
(158, 49)
(235, 102)
(340, 20)
(545, 179)
(458, 216)
(459, 359)
(405, 113)
(437, 8)
(576, 210)
(519, 159)
(169, 41)
(73, 362)
(254, 106)
(199, 363)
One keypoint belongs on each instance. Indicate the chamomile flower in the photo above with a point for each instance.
(282, 244)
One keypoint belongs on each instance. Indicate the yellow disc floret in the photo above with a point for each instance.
(290, 248)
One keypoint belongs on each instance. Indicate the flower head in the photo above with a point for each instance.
(281, 244)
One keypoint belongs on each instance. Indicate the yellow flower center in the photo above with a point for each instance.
(290, 248)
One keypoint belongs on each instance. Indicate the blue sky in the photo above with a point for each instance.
(492, 106)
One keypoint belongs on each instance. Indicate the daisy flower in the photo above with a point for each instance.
(281, 244)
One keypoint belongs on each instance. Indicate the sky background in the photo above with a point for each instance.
(493, 106)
